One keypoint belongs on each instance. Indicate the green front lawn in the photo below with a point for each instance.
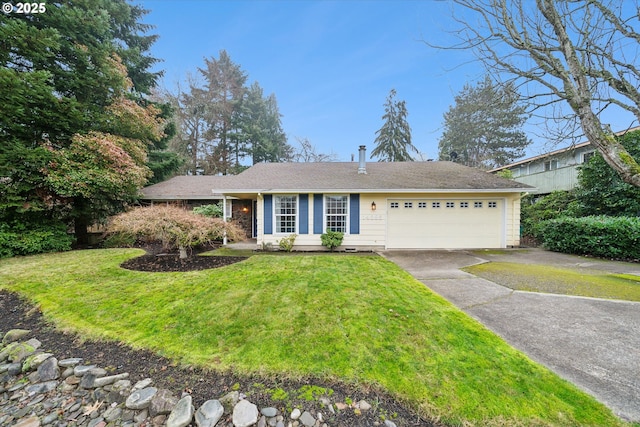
(359, 319)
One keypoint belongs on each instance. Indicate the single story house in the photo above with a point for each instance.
(381, 205)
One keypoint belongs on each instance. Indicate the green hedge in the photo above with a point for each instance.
(20, 240)
(601, 236)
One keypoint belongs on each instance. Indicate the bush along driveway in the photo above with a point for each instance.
(592, 342)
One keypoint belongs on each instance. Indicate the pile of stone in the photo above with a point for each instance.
(37, 389)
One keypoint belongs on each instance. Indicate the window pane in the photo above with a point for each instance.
(285, 213)
(336, 213)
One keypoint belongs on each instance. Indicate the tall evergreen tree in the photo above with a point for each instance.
(484, 127)
(393, 142)
(223, 92)
(262, 128)
(66, 96)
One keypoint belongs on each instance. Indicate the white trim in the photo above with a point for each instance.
(275, 232)
(347, 214)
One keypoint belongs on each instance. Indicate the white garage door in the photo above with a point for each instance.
(445, 223)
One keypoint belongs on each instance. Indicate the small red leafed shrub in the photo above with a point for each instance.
(175, 227)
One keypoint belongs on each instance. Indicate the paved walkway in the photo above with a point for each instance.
(593, 343)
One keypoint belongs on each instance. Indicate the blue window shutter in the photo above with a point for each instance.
(354, 214)
(268, 214)
(318, 216)
(303, 227)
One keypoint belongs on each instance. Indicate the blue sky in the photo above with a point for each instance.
(330, 64)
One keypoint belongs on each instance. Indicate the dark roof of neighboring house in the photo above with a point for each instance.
(185, 187)
(335, 176)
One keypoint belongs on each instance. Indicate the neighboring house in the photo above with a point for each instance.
(382, 205)
(553, 171)
(197, 190)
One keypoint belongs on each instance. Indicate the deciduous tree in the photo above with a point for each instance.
(582, 54)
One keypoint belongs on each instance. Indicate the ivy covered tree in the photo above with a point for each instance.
(393, 140)
(601, 191)
(484, 127)
(70, 110)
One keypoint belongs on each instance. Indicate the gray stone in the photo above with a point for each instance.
(17, 352)
(49, 370)
(307, 419)
(49, 418)
(182, 413)
(112, 414)
(142, 384)
(364, 406)
(262, 422)
(162, 402)
(245, 414)
(98, 372)
(14, 335)
(14, 368)
(141, 416)
(141, 399)
(70, 362)
(35, 360)
(95, 422)
(33, 343)
(80, 370)
(295, 414)
(209, 413)
(388, 423)
(44, 387)
(103, 381)
(229, 401)
(28, 422)
(269, 412)
(66, 373)
(279, 424)
(87, 380)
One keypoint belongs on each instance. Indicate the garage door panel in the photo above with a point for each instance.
(474, 226)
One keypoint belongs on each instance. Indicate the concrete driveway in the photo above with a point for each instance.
(593, 343)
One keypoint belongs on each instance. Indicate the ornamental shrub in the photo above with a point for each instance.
(332, 239)
(21, 239)
(213, 210)
(554, 205)
(601, 236)
(175, 227)
(286, 243)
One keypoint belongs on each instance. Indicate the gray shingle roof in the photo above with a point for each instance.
(185, 187)
(334, 177)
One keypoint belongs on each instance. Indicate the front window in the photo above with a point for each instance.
(286, 213)
(336, 213)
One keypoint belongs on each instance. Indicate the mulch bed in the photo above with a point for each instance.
(201, 384)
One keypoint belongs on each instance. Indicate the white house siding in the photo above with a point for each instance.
(374, 227)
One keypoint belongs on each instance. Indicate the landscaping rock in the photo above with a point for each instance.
(209, 413)
(245, 414)
(141, 399)
(269, 412)
(182, 413)
(307, 419)
(48, 370)
(162, 403)
(14, 335)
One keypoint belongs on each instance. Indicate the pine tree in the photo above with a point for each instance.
(484, 127)
(394, 137)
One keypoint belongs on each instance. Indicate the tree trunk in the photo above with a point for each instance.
(183, 252)
(80, 225)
